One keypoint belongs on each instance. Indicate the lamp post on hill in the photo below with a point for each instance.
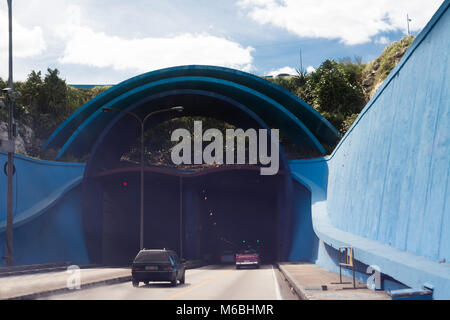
(142, 123)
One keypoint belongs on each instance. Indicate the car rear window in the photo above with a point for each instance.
(248, 252)
(152, 256)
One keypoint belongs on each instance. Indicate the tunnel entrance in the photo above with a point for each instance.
(229, 96)
(200, 215)
(197, 211)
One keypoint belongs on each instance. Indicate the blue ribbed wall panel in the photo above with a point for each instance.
(388, 178)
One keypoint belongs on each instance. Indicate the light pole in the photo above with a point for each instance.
(10, 93)
(142, 123)
(408, 20)
(181, 217)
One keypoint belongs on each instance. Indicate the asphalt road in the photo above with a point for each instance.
(207, 283)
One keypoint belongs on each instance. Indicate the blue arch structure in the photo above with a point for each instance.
(276, 106)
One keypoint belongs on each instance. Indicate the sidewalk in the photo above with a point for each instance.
(310, 280)
(35, 285)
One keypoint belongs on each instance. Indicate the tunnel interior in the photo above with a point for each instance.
(197, 213)
(198, 216)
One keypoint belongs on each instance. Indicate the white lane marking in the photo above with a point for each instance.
(277, 287)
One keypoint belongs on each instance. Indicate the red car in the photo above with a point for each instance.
(247, 258)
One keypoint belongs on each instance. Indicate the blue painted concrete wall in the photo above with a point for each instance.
(54, 236)
(304, 241)
(47, 211)
(34, 180)
(384, 190)
(388, 178)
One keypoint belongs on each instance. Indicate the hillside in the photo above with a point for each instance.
(377, 71)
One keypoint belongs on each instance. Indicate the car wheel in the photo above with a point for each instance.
(237, 267)
(183, 278)
(146, 283)
(135, 284)
(174, 283)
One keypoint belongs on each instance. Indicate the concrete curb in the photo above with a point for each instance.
(299, 289)
(42, 294)
(93, 284)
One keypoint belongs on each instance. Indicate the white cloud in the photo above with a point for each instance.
(284, 70)
(85, 46)
(27, 41)
(310, 69)
(382, 40)
(289, 70)
(71, 38)
(351, 21)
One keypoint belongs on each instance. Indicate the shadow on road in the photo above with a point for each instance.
(232, 266)
(162, 285)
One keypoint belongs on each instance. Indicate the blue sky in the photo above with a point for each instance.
(108, 41)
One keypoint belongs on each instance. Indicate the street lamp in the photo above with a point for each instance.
(408, 20)
(142, 123)
(10, 95)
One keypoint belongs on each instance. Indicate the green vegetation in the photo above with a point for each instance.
(339, 90)
(376, 71)
(158, 151)
(334, 89)
(44, 102)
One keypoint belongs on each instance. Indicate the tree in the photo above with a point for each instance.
(335, 90)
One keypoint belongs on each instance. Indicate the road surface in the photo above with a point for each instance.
(207, 283)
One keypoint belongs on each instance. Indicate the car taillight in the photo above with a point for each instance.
(137, 268)
(166, 268)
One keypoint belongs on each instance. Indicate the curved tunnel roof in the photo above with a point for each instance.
(275, 105)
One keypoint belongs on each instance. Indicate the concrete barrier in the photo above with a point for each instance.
(20, 285)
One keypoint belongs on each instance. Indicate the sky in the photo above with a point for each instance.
(109, 41)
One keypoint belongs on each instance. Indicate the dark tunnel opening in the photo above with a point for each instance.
(199, 216)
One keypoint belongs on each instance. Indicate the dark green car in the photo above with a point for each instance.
(157, 265)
